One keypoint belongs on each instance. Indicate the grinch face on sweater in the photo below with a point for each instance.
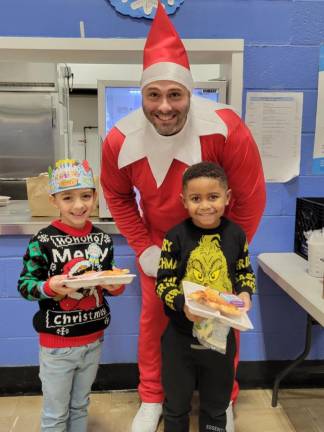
(207, 265)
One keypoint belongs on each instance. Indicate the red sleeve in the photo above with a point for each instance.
(47, 290)
(242, 164)
(118, 190)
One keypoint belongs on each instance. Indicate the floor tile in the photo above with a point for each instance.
(6, 423)
(8, 406)
(298, 410)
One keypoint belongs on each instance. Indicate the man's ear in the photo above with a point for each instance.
(228, 196)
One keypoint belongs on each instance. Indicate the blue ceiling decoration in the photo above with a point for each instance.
(144, 8)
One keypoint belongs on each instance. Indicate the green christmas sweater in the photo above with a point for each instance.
(59, 249)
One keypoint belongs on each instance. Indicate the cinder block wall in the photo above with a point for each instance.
(282, 41)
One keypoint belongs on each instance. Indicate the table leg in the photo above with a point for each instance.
(296, 362)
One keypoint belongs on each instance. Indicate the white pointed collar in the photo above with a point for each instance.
(142, 140)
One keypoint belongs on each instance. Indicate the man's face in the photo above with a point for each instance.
(166, 105)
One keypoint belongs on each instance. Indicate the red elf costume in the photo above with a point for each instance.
(135, 155)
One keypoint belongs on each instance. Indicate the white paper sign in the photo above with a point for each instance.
(318, 156)
(275, 121)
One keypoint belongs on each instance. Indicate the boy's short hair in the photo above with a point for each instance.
(69, 174)
(205, 169)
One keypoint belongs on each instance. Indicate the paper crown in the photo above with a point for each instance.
(165, 57)
(70, 174)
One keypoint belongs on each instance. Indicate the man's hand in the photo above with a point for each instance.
(149, 260)
(190, 316)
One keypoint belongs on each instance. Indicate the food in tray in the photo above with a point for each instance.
(212, 298)
(114, 272)
(86, 274)
(92, 273)
(96, 278)
(233, 299)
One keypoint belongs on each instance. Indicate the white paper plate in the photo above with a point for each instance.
(241, 323)
(91, 281)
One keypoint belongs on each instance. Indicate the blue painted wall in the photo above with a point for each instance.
(282, 40)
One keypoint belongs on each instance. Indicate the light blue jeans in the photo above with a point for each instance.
(67, 375)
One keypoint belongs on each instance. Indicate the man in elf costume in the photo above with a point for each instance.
(149, 149)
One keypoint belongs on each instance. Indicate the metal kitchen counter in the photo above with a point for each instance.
(15, 219)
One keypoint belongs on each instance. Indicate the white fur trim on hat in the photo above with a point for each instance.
(167, 71)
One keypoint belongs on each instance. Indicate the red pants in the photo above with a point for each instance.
(152, 325)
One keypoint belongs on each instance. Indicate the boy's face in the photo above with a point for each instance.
(75, 206)
(205, 199)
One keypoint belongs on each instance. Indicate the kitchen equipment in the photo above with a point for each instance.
(4, 200)
(33, 122)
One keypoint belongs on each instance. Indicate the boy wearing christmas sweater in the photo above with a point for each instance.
(70, 322)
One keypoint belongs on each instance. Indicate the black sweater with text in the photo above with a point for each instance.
(60, 249)
(216, 257)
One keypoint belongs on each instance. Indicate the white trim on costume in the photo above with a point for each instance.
(167, 71)
(142, 140)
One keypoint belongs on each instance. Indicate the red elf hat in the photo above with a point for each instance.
(165, 57)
